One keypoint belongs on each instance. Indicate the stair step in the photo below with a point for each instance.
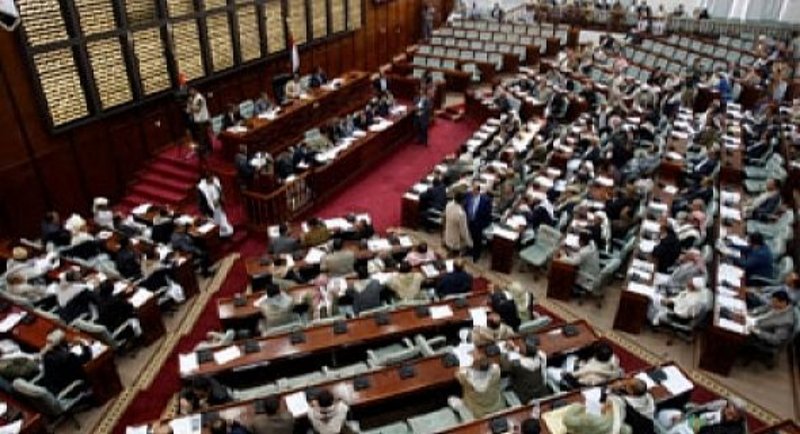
(131, 201)
(156, 179)
(158, 195)
(189, 164)
(170, 171)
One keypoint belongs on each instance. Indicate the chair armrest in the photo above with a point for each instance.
(69, 389)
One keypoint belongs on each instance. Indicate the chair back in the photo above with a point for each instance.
(41, 398)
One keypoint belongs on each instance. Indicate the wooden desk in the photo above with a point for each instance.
(561, 280)
(101, 371)
(32, 421)
(632, 310)
(297, 117)
(208, 240)
(386, 385)
(360, 331)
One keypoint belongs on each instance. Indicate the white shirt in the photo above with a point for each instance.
(199, 109)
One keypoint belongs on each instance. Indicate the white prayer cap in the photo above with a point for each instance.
(699, 282)
(74, 223)
(19, 253)
(98, 202)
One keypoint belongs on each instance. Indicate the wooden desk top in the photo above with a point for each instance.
(32, 421)
(322, 338)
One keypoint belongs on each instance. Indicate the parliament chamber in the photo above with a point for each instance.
(399, 217)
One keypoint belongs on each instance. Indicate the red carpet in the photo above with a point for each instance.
(378, 191)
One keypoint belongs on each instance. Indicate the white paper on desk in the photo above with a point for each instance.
(187, 363)
(640, 274)
(186, 425)
(730, 196)
(405, 241)
(643, 265)
(337, 224)
(120, 286)
(544, 182)
(479, 316)
(657, 206)
(592, 400)
(731, 303)
(572, 241)
(297, 403)
(140, 297)
(10, 321)
(736, 240)
(411, 196)
(224, 356)
(642, 289)
(647, 380)
(604, 181)
(730, 213)
(206, 228)
(732, 326)
(12, 428)
(379, 244)
(273, 231)
(647, 246)
(359, 134)
(676, 383)
(505, 233)
(382, 278)
(441, 311)
(419, 188)
(670, 189)
(651, 226)
(661, 279)
(517, 221)
(314, 255)
(448, 265)
(731, 274)
(430, 271)
(142, 429)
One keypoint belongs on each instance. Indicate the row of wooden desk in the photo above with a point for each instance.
(299, 116)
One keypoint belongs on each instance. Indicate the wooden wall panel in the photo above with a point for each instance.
(65, 171)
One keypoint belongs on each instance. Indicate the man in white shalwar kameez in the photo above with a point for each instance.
(210, 203)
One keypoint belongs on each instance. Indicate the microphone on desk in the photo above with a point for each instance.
(361, 382)
(340, 327)
(382, 318)
(297, 337)
(407, 371)
(449, 360)
(569, 331)
(422, 311)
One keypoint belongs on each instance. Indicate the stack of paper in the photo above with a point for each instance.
(187, 363)
(224, 356)
(10, 321)
(378, 245)
(441, 311)
(676, 383)
(297, 403)
(314, 255)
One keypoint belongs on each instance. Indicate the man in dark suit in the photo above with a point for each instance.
(422, 116)
(231, 117)
(478, 207)
(61, 366)
(113, 311)
(705, 167)
(668, 249)
(318, 78)
(183, 242)
(370, 297)
(127, 260)
(381, 83)
(283, 243)
(457, 281)
(433, 199)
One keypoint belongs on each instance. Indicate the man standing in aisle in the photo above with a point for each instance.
(209, 192)
(428, 13)
(198, 110)
(479, 216)
(422, 116)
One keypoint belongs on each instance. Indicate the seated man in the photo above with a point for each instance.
(756, 260)
(457, 281)
(15, 363)
(407, 283)
(263, 104)
(367, 295)
(718, 417)
(690, 265)
(72, 296)
(772, 330)
(480, 386)
(683, 307)
(127, 260)
(640, 406)
(494, 331)
(587, 261)
(420, 255)
(668, 249)
(292, 89)
(316, 234)
(611, 419)
(273, 420)
(18, 286)
(60, 364)
(201, 393)
(181, 241)
(527, 372)
(327, 414)
(601, 367)
(340, 262)
(283, 243)
(704, 167)
(318, 78)
(113, 310)
(765, 205)
(276, 307)
(758, 298)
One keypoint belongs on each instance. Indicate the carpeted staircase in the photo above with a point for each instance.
(168, 180)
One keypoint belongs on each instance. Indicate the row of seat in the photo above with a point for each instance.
(440, 46)
(684, 48)
(465, 56)
(509, 29)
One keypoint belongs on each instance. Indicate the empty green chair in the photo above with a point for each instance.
(345, 371)
(542, 250)
(435, 421)
(392, 354)
(432, 346)
(246, 109)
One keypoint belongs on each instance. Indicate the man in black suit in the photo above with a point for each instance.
(127, 260)
(381, 83)
(478, 207)
(183, 242)
(457, 281)
(232, 117)
(318, 78)
(668, 249)
(60, 365)
(370, 297)
(113, 311)
(433, 199)
(422, 116)
(283, 243)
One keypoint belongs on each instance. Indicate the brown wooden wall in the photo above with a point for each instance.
(40, 171)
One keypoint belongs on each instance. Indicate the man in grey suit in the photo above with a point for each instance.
(283, 243)
(775, 328)
(340, 262)
(272, 421)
